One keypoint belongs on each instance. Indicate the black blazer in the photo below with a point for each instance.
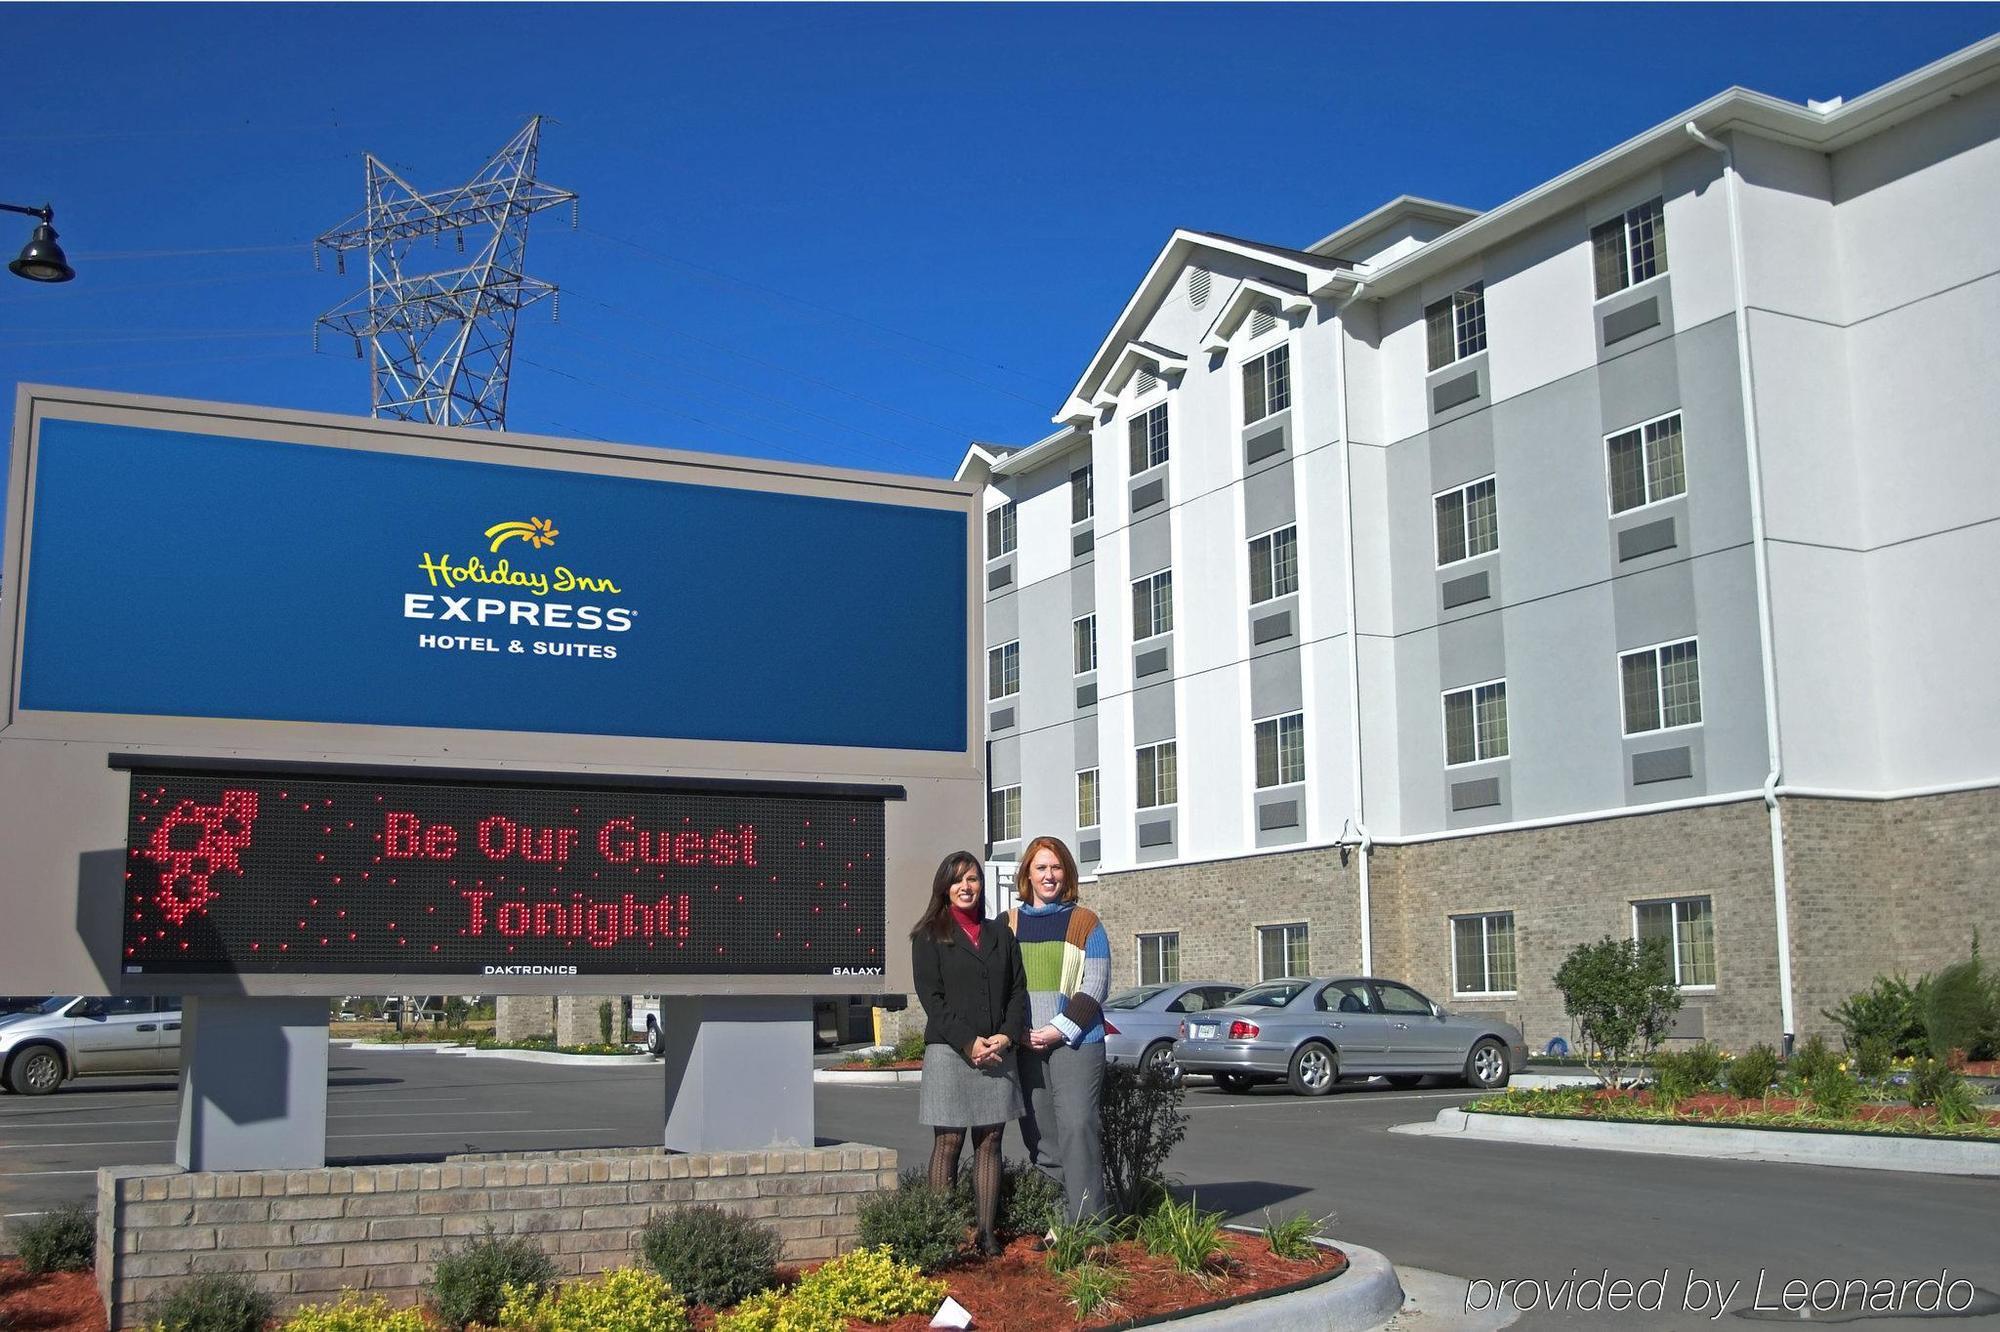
(968, 993)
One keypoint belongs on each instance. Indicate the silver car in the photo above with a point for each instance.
(1141, 1024)
(1311, 1033)
(68, 1036)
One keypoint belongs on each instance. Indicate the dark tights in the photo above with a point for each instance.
(945, 1148)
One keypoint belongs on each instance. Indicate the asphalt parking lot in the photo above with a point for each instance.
(1478, 1210)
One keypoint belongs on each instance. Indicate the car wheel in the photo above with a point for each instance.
(1405, 1080)
(653, 1042)
(36, 1071)
(1314, 1070)
(1233, 1083)
(1486, 1066)
(1159, 1061)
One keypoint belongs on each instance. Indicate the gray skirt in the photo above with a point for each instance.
(957, 1095)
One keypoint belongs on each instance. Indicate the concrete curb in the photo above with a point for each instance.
(1857, 1151)
(523, 1056)
(1367, 1295)
(1539, 1081)
(868, 1077)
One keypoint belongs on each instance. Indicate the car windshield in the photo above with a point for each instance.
(1271, 994)
(1134, 998)
(53, 1004)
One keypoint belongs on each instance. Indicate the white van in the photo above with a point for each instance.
(70, 1036)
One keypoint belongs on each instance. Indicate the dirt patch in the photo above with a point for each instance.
(55, 1302)
(1720, 1106)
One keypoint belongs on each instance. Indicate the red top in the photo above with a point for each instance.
(969, 922)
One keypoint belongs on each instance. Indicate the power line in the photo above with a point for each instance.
(793, 454)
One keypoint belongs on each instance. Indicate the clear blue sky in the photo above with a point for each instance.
(865, 235)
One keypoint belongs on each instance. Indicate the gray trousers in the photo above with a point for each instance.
(1062, 1129)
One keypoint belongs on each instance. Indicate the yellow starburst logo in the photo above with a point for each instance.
(537, 532)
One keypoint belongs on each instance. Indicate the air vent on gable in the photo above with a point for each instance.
(1261, 321)
(1144, 382)
(1198, 280)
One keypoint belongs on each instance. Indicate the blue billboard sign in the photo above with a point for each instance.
(194, 575)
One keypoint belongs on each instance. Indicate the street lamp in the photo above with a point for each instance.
(42, 260)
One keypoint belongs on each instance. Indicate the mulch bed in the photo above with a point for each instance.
(1722, 1106)
(1014, 1292)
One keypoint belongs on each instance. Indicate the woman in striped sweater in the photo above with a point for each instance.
(1067, 957)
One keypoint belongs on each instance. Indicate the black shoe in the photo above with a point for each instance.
(990, 1246)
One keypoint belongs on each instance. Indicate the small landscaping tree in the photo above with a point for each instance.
(1623, 997)
(1143, 1123)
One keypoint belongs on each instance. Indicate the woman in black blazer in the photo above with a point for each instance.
(975, 997)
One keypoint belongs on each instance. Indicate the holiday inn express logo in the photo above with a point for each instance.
(537, 532)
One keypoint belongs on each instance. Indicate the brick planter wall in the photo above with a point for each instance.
(304, 1235)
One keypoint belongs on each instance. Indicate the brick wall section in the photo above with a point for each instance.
(577, 1022)
(1887, 887)
(519, 1016)
(304, 1235)
(1576, 883)
(1216, 907)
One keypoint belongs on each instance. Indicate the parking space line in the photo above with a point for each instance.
(45, 1146)
(25, 1174)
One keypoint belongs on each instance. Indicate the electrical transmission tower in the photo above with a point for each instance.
(441, 343)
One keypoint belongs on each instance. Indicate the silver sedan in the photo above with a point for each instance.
(1141, 1024)
(1311, 1033)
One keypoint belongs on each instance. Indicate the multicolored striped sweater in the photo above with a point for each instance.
(1067, 956)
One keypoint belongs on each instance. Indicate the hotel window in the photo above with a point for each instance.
(1482, 952)
(1003, 670)
(1086, 798)
(1159, 959)
(1281, 750)
(1148, 432)
(1000, 539)
(1267, 384)
(1687, 927)
(1082, 498)
(1455, 327)
(1662, 687)
(1083, 639)
(1468, 522)
(1153, 605)
(1159, 782)
(1475, 723)
(1274, 564)
(1646, 464)
(1003, 814)
(1282, 951)
(1629, 249)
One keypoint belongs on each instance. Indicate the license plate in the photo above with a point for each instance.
(1203, 1031)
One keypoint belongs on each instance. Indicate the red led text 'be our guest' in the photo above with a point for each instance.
(618, 841)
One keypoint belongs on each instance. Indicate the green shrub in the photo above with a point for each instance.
(1874, 1057)
(1074, 1244)
(1958, 1104)
(915, 1222)
(1751, 1073)
(1182, 1233)
(1951, 1007)
(1293, 1237)
(225, 1302)
(1093, 1289)
(1142, 1124)
(1030, 1202)
(1835, 1093)
(1929, 1080)
(625, 1299)
(1623, 997)
(1811, 1059)
(911, 1047)
(352, 1314)
(865, 1283)
(711, 1256)
(1884, 1011)
(1679, 1074)
(469, 1284)
(62, 1240)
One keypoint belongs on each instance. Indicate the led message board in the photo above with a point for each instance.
(305, 875)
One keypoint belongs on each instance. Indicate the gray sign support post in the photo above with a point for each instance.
(253, 1084)
(739, 1072)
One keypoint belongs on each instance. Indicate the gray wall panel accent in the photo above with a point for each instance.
(1086, 695)
(1153, 661)
(1466, 590)
(1148, 493)
(1691, 1022)
(1654, 606)
(1003, 762)
(1156, 832)
(1268, 500)
(1455, 392)
(1470, 651)
(1482, 793)
(1662, 765)
(1088, 850)
(1001, 720)
(1276, 684)
(1086, 743)
(1640, 385)
(1277, 814)
(1000, 577)
(1083, 595)
(1271, 628)
(1622, 324)
(1151, 542)
(1461, 450)
(1266, 443)
(1646, 539)
(1153, 715)
(1003, 619)
(1083, 543)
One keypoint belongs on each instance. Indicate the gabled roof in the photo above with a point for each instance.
(984, 461)
(1166, 364)
(1249, 294)
(1388, 215)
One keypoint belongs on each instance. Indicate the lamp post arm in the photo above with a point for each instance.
(45, 213)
